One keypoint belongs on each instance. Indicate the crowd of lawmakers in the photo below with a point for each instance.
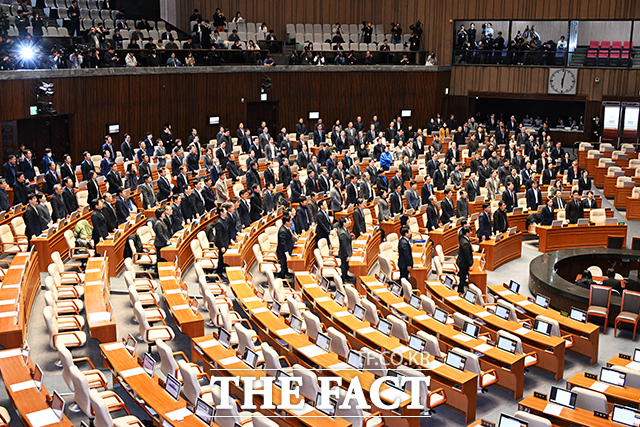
(504, 158)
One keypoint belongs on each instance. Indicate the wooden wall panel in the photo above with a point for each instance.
(438, 16)
(141, 103)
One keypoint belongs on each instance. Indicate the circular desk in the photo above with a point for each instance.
(553, 275)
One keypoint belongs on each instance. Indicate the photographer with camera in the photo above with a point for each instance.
(396, 32)
(417, 28)
(367, 31)
(76, 59)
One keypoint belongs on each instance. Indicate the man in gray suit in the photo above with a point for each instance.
(222, 191)
(462, 205)
(312, 207)
(493, 185)
(413, 197)
(355, 170)
(336, 201)
(148, 196)
(268, 202)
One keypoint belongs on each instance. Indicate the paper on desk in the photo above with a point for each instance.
(339, 366)
(172, 291)
(380, 290)
(311, 351)
(434, 364)
(7, 302)
(9, 314)
(300, 412)
(235, 251)
(251, 299)
(234, 268)
(483, 348)
(374, 283)
(132, 372)
(10, 353)
(356, 259)
(259, 310)
(323, 299)
(392, 394)
(365, 331)
(524, 303)
(166, 268)
(23, 385)
(178, 414)
(504, 293)
(598, 386)
(400, 305)
(93, 270)
(421, 317)
(99, 316)
(310, 285)
(180, 307)
(552, 409)
(522, 331)
(302, 273)
(285, 331)
(42, 418)
(462, 337)
(634, 365)
(209, 343)
(453, 298)
(482, 314)
(14, 286)
(400, 350)
(114, 346)
(17, 267)
(229, 360)
(237, 282)
(93, 283)
(341, 314)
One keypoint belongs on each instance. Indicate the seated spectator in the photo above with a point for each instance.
(351, 59)
(190, 60)
(404, 60)
(234, 37)
(338, 46)
(217, 40)
(337, 38)
(318, 59)
(133, 44)
(166, 35)
(562, 44)
(117, 39)
(171, 44)
(269, 61)
(150, 45)
(368, 58)
(213, 58)
(431, 59)
(153, 60)
(109, 58)
(130, 60)
(339, 59)
(385, 46)
(195, 16)
(173, 61)
(160, 45)
(188, 44)
(143, 25)
(236, 45)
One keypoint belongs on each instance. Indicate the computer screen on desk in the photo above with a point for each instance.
(355, 360)
(625, 416)
(441, 316)
(384, 327)
(563, 397)
(448, 282)
(503, 312)
(339, 298)
(57, 404)
(508, 421)
(275, 308)
(471, 329)
(613, 377)
(204, 411)
(456, 361)
(578, 315)
(542, 301)
(417, 344)
(329, 409)
(398, 380)
(38, 377)
(224, 338)
(250, 358)
(296, 324)
(514, 287)
(636, 355)
(542, 327)
(323, 341)
(172, 387)
(470, 297)
(148, 364)
(507, 344)
(131, 345)
(359, 311)
(414, 302)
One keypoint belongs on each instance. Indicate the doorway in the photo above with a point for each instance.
(37, 134)
(266, 111)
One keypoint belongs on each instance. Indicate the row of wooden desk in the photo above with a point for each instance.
(188, 322)
(97, 301)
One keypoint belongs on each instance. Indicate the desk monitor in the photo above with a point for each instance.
(130, 345)
(259, 292)
(542, 327)
(194, 305)
(204, 411)
(613, 377)
(470, 297)
(224, 338)
(508, 421)
(471, 329)
(38, 377)
(359, 311)
(503, 312)
(636, 355)
(397, 382)
(417, 344)
(579, 315)
(514, 287)
(280, 374)
(441, 315)
(583, 221)
(556, 223)
(250, 358)
(382, 278)
(323, 341)
(275, 308)
(25, 351)
(448, 282)
(330, 410)
(296, 324)
(516, 211)
(339, 298)
(148, 364)
(507, 344)
(396, 289)
(542, 301)
(414, 301)
(514, 230)
(479, 199)
(625, 416)
(455, 361)
(355, 360)
(172, 387)
(57, 404)
(610, 221)
(324, 284)
(384, 327)
(563, 397)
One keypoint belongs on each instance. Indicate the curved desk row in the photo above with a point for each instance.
(189, 323)
(46, 245)
(97, 304)
(19, 288)
(578, 236)
(113, 247)
(627, 396)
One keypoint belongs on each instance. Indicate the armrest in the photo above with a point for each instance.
(437, 391)
(71, 274)
(74, 333)
(485, 334)
(84, 359)
(7, 263)
(4, 245)
(568, 338)
(370, 417)
(79, 251)
(532, 354)
(489, 372)
(181, 353)
(286, 362)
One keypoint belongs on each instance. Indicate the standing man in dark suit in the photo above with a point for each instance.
(20, 190)
(256, 210)
(27, 167)
(67, 170)
(296, 188)
(57, 204)
(222, 239)
(464, 261)
(484, 223)
(182, 182)
(440, 177)
(611, 281)
(534, 196)
(471, 187)
(352, 191)
(427, 190)
(244, 208)
(177, 220)
(405, 256)
(148, 196)
(126, 148)
(500, 220)
(574, 208)
(165, 189)
(462, 205)
(268, 202)
(51, 178)
(122, 207)
(548, 214)
(109, 212)
(161, 229)
(396, 205)
(113, 179)
(302, 215)
(446, 205)
(322, 219)
(311, 184)
(98, 222)
(285, 245)
(31, 218)
(301, 128)
(359, 225)
(86, 166)
(509, 197)
(433, 221)
(345, 250)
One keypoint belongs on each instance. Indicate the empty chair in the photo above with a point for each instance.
(168, 364)
(151, 333)
(191, 387)
(259, 420)
(427, 304)
(398, 328)
(5, 418)
(485, 378)
(325, 270)
(11, 245)
(66, 306)
(272, 361)
(598, 216)
(264, 265)
(372, 314)
(153, 313)
(309, 386)
(530, 359)
(94, 377)
(102, 416)
(327, 259)
(141, 282)
(313, 324)
(533, 420)
(339, 343)
(353, 297)
(590, 400)
(629, 311)
(71, 273)
(81, 391)
(555, 330)
(228, 417)
(67, 339)
(357, 417)
(428, 399)
(18, 226)
(247, 340)
(69, 290)
(388, 267)
(599, 303)
(374, 362)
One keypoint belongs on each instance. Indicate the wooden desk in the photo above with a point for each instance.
(591, 163)
(550, 350)
(299, 349)
(365, 255)
(601, 172)
(507, 249)
(189, 323)
(586, 336)
(141, 387)
(29, 400)
(113, 249)
(567, 417)
(447, 239)
(510, 367)
(626, 396)
(609, 190)
(574, 236)
(633, 209)
(213, 355)
(302, 257)
(21, 278)
(622, 193)
(46, 246)
(390, 226)
(97, 303)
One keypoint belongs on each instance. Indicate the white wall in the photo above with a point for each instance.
(603, 30)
